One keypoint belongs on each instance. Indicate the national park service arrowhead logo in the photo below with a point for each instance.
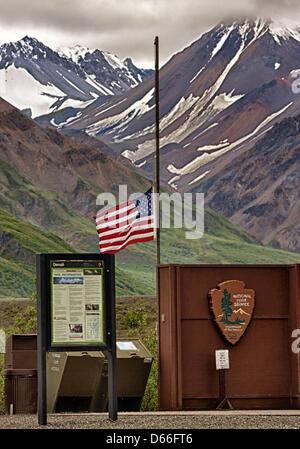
(232, 306)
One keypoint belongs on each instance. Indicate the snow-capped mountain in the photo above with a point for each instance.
(217, 97)
(106, 68)
(34, 77)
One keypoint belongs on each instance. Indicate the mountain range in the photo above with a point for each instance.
(217, 97)
(219, 100)
(39, 80)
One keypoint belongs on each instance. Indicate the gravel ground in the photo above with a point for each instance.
(152, 421)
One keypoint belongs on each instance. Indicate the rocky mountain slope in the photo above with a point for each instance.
(40, 80)
(51, 180)
(259, 190)
(217, 97)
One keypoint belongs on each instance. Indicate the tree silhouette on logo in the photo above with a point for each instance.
(226, 309)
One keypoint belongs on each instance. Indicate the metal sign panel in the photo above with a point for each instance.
(77, 302)
(222, 359)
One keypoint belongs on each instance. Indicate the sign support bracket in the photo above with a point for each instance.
(222, 391)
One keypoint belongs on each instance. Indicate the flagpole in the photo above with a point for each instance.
(157, 165)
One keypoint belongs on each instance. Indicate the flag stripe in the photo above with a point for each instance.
(120, 229)
(108, 215)
(144, 224)
(132, 239)
(114, 210)
(120, 239)
(116, 217)
(123, 228)
(114, 223)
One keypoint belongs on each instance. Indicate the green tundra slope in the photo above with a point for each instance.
(20, 241)
(135, 266)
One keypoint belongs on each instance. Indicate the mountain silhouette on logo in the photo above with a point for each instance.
(241, 311)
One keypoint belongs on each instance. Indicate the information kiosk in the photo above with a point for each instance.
(76, 312)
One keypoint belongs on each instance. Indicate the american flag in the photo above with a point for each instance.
(127, 223)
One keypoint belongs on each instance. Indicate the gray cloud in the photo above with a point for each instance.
(128, 27)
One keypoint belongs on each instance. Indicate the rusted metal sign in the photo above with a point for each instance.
(232, 306)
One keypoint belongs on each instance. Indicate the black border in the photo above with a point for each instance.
(44, 286)
(44, 325)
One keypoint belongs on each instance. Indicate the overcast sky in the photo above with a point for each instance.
(128, 27)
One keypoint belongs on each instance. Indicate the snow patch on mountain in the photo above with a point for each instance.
(205, 158)
(183, 105)
(222, 144)
(280, 31)
(201, 134)
(197, 74)
(221, 42)
(224, 100)
(22, 90)
(199, 177)
(196, 163)
(122, 119)
(114, 61)
(73, 53)
(91, 79)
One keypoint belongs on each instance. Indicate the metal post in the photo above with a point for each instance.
(112, 386)
(222, 391)
(111, 343)
(222, 384)
(157, 163)
(41, 342)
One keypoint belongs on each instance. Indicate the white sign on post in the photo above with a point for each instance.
(222, 359)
